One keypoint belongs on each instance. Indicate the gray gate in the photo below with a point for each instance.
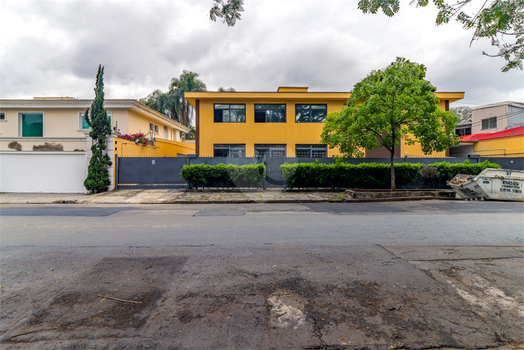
(150, 172)
(274, 176)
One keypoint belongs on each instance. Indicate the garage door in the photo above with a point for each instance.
(46, 172)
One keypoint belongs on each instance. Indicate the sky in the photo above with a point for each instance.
(52, 48)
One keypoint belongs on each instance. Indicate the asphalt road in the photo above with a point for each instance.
(418, 275)
(400, 223)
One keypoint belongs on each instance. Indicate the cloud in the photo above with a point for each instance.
(56, 46)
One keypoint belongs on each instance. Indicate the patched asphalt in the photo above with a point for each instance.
(322, 297)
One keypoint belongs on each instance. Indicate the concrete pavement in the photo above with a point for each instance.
(178, 196)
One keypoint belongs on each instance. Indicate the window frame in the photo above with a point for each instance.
(311, 149)
(81, 117)
(489, 123)
(310, 112)
(20, 124)
(269, 109)
(228, 109)
(229, 147)
(276, 147)
(3, 117)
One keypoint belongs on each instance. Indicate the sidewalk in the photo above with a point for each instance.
(177, 196)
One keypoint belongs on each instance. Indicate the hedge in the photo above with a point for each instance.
(375, 175)
(221, 175)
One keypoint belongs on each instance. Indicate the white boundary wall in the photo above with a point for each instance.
(47, 172)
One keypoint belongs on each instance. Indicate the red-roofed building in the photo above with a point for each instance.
(502, 143)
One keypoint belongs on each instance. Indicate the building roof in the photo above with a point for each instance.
(291, 93)
(83, 104)
(498, 104)
(518, 131)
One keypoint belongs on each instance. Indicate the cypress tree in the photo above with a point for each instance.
(98, 176)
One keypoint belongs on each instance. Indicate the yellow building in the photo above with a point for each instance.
(286, 123)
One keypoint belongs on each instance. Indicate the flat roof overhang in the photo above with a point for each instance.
(296, 96)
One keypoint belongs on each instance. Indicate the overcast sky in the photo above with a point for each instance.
(53, 48)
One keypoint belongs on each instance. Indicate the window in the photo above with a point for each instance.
(311, 151)
(31, 124)
(310, 113)
(82, 124)
(2, 116)
(270, 113)
(229, 151)
(463, 131)
(490, 123)
(230, 113)
(153, 128)
(271, 151)
(166, 132)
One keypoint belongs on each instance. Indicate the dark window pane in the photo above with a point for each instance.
(241, 115)
(233, 116)
(221, 153)
(221, 106)
(302, 117)
(237, 106)
(32, 125)
(302, 153)
(260, 116)
(218, 116)
(278, 153)
(278, 116)
(262, 106)
(318, 154)
(302, 106)
(318, 107)
(261, 152)
(225, 116)
(493, 123)
(318, 115)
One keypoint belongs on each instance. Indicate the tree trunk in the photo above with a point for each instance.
(393, 188)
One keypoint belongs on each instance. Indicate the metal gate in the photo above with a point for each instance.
(274, 176)
(150, 172)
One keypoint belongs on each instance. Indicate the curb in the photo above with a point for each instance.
(283, 201)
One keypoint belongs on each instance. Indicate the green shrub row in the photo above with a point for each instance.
(221, 175)
(375, 175)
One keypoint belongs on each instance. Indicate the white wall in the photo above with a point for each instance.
(48, 172)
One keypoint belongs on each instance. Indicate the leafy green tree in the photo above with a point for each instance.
(463, 113)
(390, 105)
(173, 103)
(162, 102)
(496, 20)
(221, 89)
(500, 21)
(98, 176)
(228, 10)
(187, 81)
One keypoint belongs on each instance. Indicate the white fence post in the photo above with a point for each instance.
(111, 153)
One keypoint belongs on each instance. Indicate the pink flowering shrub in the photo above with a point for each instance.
(137, 138)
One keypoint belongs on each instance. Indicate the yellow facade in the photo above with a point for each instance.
(503, 146)
(162, 148)
(290, 133)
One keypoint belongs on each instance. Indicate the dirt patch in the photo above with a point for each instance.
(117, 294)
